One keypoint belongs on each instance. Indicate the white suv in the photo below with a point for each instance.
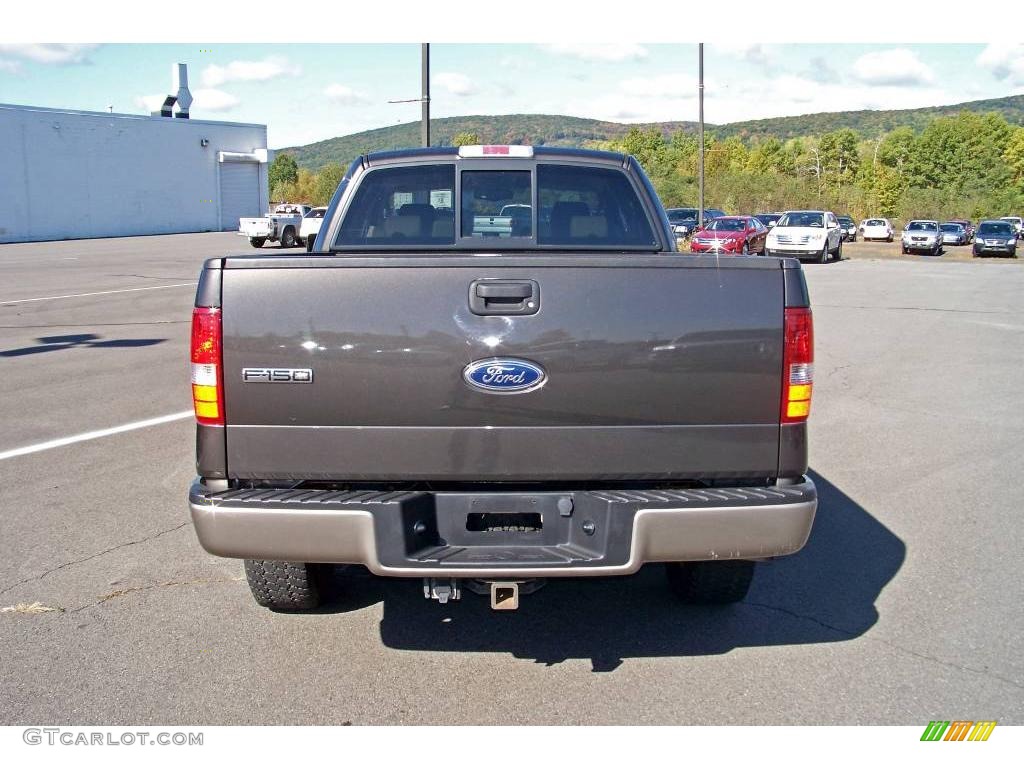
(876, 229)
(806, 234)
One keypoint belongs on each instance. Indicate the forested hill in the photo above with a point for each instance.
(558, 130)
(561, 130)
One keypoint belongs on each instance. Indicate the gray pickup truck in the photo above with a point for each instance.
(495, 369)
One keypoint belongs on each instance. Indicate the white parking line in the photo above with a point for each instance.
(94, 293)
(94, 435)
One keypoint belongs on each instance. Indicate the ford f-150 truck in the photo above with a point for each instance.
(483, 407)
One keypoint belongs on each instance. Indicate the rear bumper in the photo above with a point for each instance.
(413, 533)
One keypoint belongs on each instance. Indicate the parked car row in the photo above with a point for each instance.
(820, 234)
(802, 234)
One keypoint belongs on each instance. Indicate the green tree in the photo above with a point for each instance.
(839, 155)
(897, 149)
(647, 146)
(284, 170)
(1013, 155)
(326, 182)
(465, 138)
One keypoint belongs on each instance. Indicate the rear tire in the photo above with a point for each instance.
(823, 258)
(257, 242)
(745, 251)
(288, 238)
(285, 587)
(888, 239)
(839, 251)
(710, 582)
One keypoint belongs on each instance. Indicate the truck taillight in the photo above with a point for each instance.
(798, 365)
(207, 371)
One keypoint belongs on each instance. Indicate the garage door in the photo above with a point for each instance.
(239, 193)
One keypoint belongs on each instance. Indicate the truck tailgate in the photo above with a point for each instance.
(658, 367)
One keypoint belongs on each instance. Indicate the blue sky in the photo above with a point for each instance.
(310, 92)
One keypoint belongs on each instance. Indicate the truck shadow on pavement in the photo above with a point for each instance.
(824, 594)
(77, 341)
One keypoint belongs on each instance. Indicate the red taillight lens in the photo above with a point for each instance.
(798, 365)
(207, 373)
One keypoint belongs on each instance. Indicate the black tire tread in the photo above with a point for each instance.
(710, 582)
(281, 586)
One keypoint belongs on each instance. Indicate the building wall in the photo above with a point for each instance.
(66, 174)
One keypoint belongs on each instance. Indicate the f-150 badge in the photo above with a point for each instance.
(277, 375)
(504, 375)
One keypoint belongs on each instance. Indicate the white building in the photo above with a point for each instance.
(68, 174)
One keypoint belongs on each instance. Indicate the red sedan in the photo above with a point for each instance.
(741, 235)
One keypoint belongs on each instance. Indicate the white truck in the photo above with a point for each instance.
(281, 224)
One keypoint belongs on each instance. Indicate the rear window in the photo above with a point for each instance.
(922, 226)
(564, 206)
(589, 207)
(874, 223)
(496, 204)
(410, 205)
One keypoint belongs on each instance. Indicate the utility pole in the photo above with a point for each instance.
(700, 146)
(425, 74)
(424, 99)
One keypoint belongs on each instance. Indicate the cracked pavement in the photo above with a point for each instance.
(903, 607)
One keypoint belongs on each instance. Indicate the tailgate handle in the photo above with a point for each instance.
(494, 296)
(504, 290)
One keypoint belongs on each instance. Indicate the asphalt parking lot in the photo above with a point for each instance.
(903, 608)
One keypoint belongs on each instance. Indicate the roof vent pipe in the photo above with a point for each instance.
(184, 96)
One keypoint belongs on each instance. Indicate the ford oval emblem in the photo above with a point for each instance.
(504, 375)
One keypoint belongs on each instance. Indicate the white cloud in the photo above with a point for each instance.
(754, 53)
(203, 100)
(599, 51)
(49, 53)
(896, 66)
(344, 95)
(820, 71)
(9, 66)
(455, 83)
(1005, 61)
(678, 86)
(150, 102)
(213, 100)
(249, 71)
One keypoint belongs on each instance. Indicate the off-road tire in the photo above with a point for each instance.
(710, 582)
(288, 237)
(280, 586)
(257, 242)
